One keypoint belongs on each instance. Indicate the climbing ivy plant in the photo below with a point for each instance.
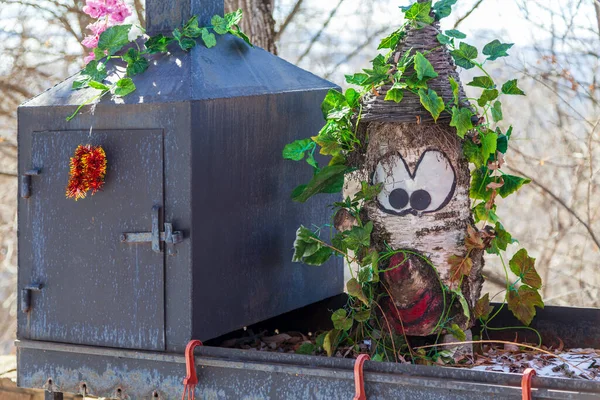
(114, 44)
(484, 145)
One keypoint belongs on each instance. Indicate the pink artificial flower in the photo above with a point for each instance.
(119, 12)
(98, 27)
(89, 57)
(95, 8)
(91, 41)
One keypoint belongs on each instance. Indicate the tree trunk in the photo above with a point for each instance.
(258, 22)
(424, 208)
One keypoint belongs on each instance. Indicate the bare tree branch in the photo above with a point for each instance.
(288, 19)
(320, 32)
(560, 201)
(461, 19)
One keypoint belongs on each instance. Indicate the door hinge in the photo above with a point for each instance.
(155, 236)
(26, 295)
(26, 182)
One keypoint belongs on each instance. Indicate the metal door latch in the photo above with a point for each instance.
(26, 182)
(156, 236)
(26, 295)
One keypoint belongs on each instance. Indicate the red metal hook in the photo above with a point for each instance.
(526, 383)
(359, 379)
(191, 379)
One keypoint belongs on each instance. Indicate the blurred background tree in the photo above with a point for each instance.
(556, 142)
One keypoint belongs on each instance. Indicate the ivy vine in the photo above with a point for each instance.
(114, 44)
(484, 145)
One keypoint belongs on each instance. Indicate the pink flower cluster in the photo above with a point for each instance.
(108, 13)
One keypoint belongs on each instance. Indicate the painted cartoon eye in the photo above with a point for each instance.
(428, 189)
(398, 199)
(420, 200)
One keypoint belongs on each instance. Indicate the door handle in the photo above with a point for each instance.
(155, 236)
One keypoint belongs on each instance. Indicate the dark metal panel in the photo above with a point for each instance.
(166, 15)
(576, 327)
(174, 120)
(230, 69)
(239, 374)
(244, 221)
(96, 289)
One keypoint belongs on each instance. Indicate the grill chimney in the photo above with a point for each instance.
(165, 15)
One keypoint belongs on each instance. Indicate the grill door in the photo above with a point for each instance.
(96, 289)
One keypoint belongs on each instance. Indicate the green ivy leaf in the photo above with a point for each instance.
(463, 302)
(503, 140)
(362, 316)
(524, 267)
(341, 320)
(501, 241)
(423, 67)
(306, 349)
(461, 120)
(482, 308)
(443, 8)
(497, 111)
(184, 42)
(208, 38)
(419, 12)
(124, 87)
(365, 274)
(191, 28)
(456, 34)
(480, 213)
(394, 94)
(455, 92)
(158, 43)
(464, 55)
(486, 96)
(355, 289)
(296, 150)
(510, 87)
(458, 333)
(489, 143)
(473, 154)
(333, 100)
(98, 85)
(329, 138)
(391, 41)
(495, 49)
(234, 18)
(431, 101)
(308, 250)
(114, 38)
(511, 184)
(330, 342)
(352, 97)
(99, 54)
(236, 31)
(357, 79)
(338, 114)
(413, 82)
(219, 24)
(359, 236)
(480, 178)
(443, 39)
(329, 180)
(136, 63)
(522, 303)
(93, 71)
(484, 82)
